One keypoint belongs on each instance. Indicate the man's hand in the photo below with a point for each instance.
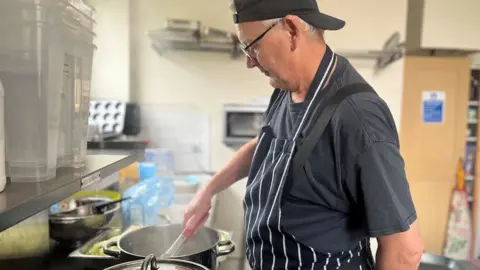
(400, 251)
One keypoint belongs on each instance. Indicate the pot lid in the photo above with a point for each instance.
(156, 264)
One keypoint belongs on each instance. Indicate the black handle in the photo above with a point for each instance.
(109, 252)
(149, 263)
(225, 248)
(100, 208)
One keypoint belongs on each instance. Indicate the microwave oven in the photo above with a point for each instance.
(242, 123)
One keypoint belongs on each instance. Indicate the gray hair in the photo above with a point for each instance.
(316, 32)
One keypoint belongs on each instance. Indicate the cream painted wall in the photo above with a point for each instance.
(111, 64)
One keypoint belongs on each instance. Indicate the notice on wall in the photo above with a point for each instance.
(433, 107)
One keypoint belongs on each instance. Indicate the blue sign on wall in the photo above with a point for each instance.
(433, 107)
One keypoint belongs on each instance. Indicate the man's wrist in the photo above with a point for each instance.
(210, 188)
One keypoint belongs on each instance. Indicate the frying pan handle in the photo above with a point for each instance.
(109, 252)
(225, 248)
(149, 263)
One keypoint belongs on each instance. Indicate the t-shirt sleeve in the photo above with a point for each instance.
(383, 190)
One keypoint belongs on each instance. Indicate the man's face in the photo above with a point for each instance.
(270, 51)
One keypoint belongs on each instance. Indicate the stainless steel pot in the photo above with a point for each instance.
(151, 263)
(203, 248)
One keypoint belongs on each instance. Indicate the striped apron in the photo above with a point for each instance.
(268, 246)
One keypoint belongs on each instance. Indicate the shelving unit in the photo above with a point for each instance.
(20, 201)
(472, 135)
(471, 164)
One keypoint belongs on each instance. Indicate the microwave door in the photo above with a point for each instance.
(244, 124)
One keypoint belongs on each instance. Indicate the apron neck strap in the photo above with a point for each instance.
(322, 74)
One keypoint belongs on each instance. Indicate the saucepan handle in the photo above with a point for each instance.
(225, 247)
(109, 252)
(149, 263)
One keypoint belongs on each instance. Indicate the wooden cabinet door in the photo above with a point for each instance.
(431, 150)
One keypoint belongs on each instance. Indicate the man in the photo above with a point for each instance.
(325, 173)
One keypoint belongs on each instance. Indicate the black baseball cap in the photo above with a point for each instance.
(307, 10)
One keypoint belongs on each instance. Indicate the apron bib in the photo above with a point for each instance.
(267, 245)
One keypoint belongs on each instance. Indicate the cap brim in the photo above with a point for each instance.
(323, 21)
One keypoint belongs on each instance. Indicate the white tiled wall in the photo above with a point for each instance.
(182, 128)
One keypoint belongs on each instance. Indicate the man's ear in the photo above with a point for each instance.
(293, 25)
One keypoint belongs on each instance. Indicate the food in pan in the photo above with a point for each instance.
(97, 248)
(24, 241)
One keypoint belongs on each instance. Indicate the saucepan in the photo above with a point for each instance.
(204, 248)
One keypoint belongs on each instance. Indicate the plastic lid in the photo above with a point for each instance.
(146, 170)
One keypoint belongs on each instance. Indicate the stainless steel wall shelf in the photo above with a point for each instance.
(19, 201)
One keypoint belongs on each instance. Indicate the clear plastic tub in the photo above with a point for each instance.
(82, 13)
(82, 107)
(36, 38)
(65, 138)
(76, 10)
(30, 68)
(77, 74)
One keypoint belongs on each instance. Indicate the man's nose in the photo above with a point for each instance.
(251, 63)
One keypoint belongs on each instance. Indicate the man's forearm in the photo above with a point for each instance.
(400, 251)
(396, 260)
(235, 170)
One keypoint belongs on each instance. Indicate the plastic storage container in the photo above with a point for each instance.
(31, 60)
(77, 75)
(37, 38)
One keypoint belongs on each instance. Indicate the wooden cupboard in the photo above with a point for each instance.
(432, 138)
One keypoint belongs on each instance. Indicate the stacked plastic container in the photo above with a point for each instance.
(75, 93)
(46, 52)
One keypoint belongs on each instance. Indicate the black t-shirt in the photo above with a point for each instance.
(357, 162)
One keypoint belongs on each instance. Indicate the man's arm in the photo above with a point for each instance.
(389, 209)
(400, 251)
(235, 170)
(377, 181)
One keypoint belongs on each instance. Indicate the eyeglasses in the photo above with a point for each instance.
(247, 49)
